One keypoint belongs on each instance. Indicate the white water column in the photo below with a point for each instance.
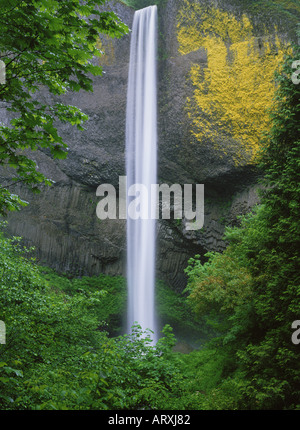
(141, 168)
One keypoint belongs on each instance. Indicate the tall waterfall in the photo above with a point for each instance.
(141, 161)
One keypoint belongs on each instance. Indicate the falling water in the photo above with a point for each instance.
(141, 160)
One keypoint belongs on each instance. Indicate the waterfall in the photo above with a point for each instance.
(141, 161)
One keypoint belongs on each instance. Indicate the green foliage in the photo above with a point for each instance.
(110, 307)
(42, 327)
(219, 285)
(58, 352)
(277, 280)
(120, 373)
(172, 308)
(52, 45)
(255, 282)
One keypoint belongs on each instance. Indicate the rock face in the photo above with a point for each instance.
(215, 85)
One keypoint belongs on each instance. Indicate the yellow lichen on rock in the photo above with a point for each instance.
(233, 92)
(196, 22)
